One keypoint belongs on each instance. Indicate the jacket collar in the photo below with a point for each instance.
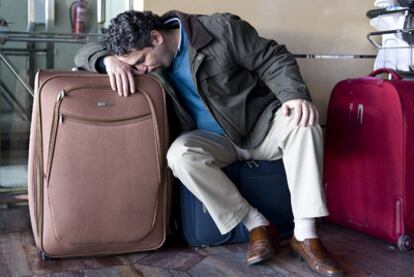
(197, 33)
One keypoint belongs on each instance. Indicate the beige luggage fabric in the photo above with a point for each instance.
(98, 180)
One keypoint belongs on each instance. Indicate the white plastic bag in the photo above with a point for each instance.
(395, 52)
(384, 3)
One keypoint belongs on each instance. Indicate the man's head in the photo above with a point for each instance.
(141, 39)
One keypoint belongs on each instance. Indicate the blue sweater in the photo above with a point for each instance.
(179, 75)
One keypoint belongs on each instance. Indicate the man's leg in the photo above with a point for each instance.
(196, 158)
(301, 149)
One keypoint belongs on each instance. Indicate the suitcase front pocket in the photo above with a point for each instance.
(103, 176)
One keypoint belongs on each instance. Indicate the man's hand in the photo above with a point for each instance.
(121, 75)
(306, 113)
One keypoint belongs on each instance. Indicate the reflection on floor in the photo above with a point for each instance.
(359, 254)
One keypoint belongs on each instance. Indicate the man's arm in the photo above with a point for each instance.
(276, 66)
(89, 55)
(94, 57)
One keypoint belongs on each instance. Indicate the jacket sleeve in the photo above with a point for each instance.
(275, 65)
(88, 56)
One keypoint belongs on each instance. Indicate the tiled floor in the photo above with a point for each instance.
(360, 255)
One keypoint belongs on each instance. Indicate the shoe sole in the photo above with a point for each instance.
(293, 253)
(260, 259)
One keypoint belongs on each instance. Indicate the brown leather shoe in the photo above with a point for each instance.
(316, 255)
(260, 246)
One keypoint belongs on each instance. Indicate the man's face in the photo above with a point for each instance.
(149, 58)
(144, 60)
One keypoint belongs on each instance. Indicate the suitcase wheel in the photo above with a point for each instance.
(405, 242)
(44, 257)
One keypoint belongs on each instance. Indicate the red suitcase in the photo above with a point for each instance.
(369, 151)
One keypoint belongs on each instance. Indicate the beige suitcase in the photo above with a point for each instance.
(98, 180)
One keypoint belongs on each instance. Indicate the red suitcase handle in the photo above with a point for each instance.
(394, 74)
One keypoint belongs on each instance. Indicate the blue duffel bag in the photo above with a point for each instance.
(262, 183)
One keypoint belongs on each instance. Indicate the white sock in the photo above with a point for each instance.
(305, 229)
(254, 219)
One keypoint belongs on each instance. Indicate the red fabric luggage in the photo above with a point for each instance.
(369, 154)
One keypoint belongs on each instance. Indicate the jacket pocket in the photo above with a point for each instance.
(219, 82)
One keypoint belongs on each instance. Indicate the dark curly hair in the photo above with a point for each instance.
(131, 30)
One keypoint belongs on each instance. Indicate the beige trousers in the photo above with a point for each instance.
(196, 158)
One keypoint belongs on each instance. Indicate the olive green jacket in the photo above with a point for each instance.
(241, 77)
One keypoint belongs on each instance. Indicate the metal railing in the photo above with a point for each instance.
(6, 36)
(78, 38)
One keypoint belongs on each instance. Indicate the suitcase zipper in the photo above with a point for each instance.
(85, 120)
(53, 132)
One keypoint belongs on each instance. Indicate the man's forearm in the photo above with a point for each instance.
(89, 57)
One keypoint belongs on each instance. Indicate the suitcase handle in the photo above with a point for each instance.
(394, 74)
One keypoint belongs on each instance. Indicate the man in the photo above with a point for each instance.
(237, 96)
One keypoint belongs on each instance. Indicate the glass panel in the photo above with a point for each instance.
(15, 112)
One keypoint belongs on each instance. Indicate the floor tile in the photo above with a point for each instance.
(213, 250)
(233, 264)
(133, 257)
(170, 259)
(116, 271)
(335, 233)
(61, 274)
(12, 256)
(359, 254)
(238, 247)
(149, 271)
(285, 265)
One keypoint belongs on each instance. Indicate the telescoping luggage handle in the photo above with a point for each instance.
(394, 74)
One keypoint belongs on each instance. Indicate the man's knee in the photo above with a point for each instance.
(291, 123)
(309, 136)
(315, 129)
(181, 154)
(175, 153)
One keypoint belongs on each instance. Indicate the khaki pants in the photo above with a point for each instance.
(196, 158)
